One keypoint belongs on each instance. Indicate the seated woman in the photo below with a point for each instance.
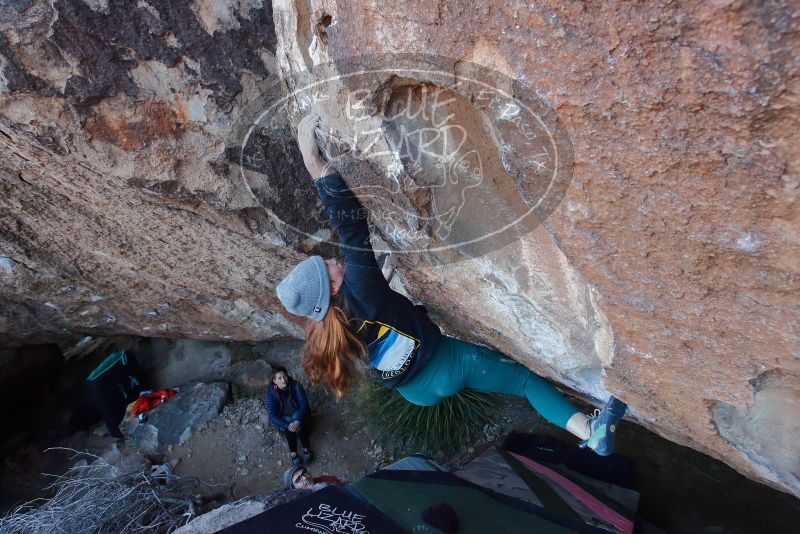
(287, 406)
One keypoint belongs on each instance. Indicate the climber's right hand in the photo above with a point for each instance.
(307, 143)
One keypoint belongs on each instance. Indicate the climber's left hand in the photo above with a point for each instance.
(307, 142)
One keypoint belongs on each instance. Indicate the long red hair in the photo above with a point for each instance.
(331, 350)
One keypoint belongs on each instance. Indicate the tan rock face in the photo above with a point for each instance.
(663, 268)
(668, 272)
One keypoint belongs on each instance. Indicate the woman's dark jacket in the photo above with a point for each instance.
(399, 335)
(273, 402)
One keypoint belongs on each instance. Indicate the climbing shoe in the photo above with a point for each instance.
(308, 456)
(603, 427)
(296, 460)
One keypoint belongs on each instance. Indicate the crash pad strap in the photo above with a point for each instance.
(108, 363)
(618, 506)
(623, 524)
(546, 494)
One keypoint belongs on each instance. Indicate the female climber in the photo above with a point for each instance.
(354, 314)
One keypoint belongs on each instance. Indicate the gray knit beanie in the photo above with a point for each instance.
(306, 290)
(289, 473)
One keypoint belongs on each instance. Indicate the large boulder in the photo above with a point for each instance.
(223, 517)
(238, 511)
(172, 422)
(666, 273)
(667, 270)
(123, 208)
(171, 362)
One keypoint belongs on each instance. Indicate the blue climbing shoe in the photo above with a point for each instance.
(603, 427)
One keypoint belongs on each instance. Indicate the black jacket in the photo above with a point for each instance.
(399, 336)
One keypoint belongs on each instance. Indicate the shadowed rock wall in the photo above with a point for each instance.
(667, 274)
(122, 212)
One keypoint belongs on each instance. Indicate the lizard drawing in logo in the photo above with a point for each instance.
(462, 174)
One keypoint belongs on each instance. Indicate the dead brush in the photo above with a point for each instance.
(97, 498)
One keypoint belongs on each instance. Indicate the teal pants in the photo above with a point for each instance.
(458, 364)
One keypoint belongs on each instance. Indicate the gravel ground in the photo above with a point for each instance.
(242, 449)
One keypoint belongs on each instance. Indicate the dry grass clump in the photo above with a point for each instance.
(97, 498)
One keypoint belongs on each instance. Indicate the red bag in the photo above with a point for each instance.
(148, 401)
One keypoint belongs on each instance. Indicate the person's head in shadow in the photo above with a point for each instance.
(299, 477)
